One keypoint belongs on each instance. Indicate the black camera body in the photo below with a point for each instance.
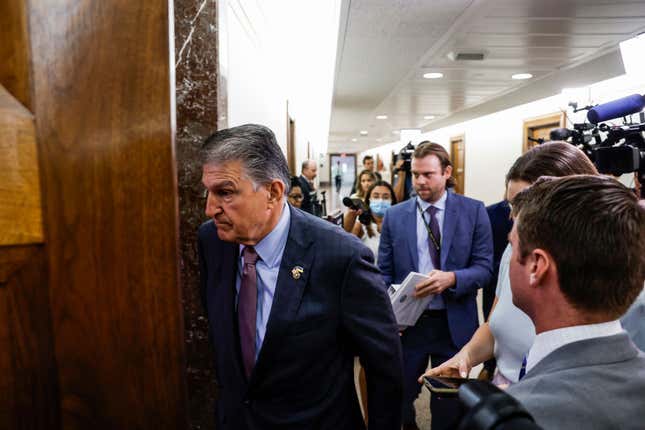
(365, 217)
(405, 154)
(623, 148)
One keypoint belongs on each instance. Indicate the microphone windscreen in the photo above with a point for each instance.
(616, 109)
(348, 202)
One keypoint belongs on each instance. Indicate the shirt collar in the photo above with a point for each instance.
(547, 342)
(439, 204)
(269, 249)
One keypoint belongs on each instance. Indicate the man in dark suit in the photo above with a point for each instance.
(577, 264)
(291, 300)
(308, 173)
(448, 237)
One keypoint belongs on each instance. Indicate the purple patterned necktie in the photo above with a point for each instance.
(247, 308)
(435, 255)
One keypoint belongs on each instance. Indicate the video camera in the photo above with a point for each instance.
(365, 217)
(405, 154)
(623, 148)
(489, 408)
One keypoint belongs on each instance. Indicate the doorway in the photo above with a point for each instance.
(536, 130)
(457, 156)
(342, 172)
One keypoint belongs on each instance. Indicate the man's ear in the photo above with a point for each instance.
(448, 171)
(540, 264)
(276, 191)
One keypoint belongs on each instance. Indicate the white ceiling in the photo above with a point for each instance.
(385, 47)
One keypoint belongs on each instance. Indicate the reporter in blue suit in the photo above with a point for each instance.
(458, 258)
(290, 300)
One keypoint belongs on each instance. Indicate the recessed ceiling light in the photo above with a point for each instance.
(363, 132)
(520, 76)
(381, 116)
(354, 140)
(429, 117)
(433, 75)
(396, 132)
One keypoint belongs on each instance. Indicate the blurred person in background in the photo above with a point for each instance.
(295, 195)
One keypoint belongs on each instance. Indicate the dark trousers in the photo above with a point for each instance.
(429, 338)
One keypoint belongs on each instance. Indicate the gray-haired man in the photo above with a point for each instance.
(290, 298)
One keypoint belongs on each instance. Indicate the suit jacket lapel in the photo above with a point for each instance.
(225, 294)
(410, 225)
(290, 287)
(449, 225)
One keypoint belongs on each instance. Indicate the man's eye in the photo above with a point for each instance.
(224, 193)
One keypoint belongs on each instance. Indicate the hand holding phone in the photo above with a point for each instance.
(444, 385)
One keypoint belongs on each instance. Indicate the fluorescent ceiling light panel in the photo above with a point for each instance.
(433, 75)
(521, 76)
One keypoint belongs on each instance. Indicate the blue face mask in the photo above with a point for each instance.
(378, 207)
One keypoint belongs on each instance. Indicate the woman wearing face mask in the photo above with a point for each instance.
(378, 198)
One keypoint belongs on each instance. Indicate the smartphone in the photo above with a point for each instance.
(444, 385)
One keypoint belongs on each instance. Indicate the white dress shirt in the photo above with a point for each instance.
(547, 342)
(270, 250)
(423, 252)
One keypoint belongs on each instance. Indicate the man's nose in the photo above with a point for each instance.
(212, 208)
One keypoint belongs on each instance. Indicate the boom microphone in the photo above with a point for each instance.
(616, 109)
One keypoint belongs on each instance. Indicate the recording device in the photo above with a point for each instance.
(488, 408)
(335, 217)
(365, 217)
(405, 154)
(616, 109)
(622, 150)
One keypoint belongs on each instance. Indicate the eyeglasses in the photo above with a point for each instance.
(296, 196)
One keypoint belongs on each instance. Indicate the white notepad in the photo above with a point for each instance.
(407, 308)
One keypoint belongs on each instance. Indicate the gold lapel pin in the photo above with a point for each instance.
(296, 272)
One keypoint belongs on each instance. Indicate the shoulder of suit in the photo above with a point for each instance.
(466, 200)
(324, 232)
(207, 228)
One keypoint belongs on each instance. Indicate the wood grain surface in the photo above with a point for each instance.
(14, 50)
(102, 96)
(20, 203)
(28, 391)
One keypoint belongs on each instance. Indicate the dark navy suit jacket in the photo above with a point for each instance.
(501, 223)
(337, 309)
(466, 250)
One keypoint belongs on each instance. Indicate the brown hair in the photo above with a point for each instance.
(426, 148)
(594, 229)
(555, 158)
(359, 189)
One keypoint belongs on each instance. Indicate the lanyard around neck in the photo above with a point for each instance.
(435, 242)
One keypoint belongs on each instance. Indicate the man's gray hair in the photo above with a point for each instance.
(253, 145)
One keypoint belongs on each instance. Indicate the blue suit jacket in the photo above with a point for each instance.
(466, 250)
(304, 375)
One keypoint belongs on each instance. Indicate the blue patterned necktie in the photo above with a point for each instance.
(435, 254)
(247, 309)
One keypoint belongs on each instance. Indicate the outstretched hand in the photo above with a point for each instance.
(457, 367)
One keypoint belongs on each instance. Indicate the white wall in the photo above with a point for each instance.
(282, 51)
(494, 141)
